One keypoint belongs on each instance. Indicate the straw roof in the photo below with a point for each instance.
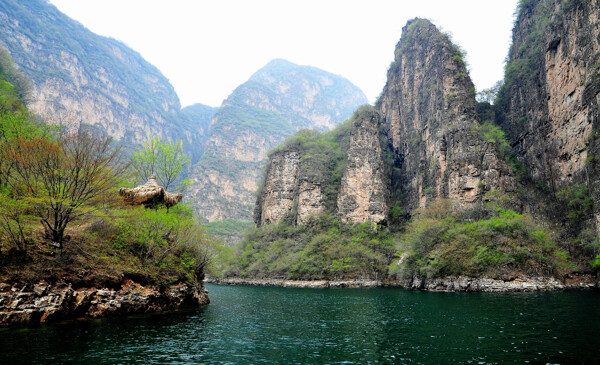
(150, 194)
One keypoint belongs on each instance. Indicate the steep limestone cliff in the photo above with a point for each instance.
(549, 99)
(84, 80)
(277, 101)
(428, 106)
(549, 103)
(423, 141)
(279, 193)
(364, 188)
(483, 224)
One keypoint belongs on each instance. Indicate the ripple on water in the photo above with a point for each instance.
(353, 326)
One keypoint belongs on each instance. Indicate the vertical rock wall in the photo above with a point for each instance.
(549, 103)
(364, 188)
(281, 185)
(429, 110)
(310, 200)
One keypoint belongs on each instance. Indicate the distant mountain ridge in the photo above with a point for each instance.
(278, 100)
(83, 80)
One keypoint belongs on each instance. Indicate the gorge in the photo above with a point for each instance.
(430, 188)
(427, 189)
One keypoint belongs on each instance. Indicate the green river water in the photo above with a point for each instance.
(260, 325)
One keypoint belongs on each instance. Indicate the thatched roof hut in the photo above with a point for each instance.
(150, 194)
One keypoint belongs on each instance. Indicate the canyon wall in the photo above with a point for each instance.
(549, 101)
(422, 141)
(278, 100)
(82, 80)
(429, 108)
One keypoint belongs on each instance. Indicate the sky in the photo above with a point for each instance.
(208, 48)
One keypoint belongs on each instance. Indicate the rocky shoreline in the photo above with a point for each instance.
(449, 284)
(25, 305)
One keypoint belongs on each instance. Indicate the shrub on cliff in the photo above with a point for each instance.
(165, 246)
(325, 248)
(440, 242)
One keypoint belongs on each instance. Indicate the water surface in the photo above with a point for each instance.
(259, 325)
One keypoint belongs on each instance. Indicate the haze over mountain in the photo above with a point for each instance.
(278, 100)
(83, 80)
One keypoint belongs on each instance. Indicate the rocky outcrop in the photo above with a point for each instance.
(280, 190)
(364, 188)
(549, 102)
(277, 101)
(423, 141)
(45, 303)
(429, 109)
(286, 194)
(150, 195)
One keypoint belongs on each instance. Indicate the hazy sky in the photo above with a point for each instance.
(207, 48)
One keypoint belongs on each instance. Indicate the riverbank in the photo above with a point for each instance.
(32, 304)
(449, 284)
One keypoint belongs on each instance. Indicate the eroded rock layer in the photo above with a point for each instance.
(364, 187)
(45, 303)
(549, 102)
(428, 106)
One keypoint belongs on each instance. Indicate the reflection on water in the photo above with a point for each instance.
(249, 325)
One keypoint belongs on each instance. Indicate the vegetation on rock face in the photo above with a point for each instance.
(62, 219)
(440, 240)
(42, 22)
(504, 235)
(68, 64)
(487, 240)
(323, 156)
(14, 86)
(323, 248)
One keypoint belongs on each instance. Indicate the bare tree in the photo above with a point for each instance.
(64, 180)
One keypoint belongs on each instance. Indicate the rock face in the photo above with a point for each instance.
(280, 189)
(423, 141)
(549, 102)
(310, 200)
(45, 303)
(287, 195)
(277, 101)
(364, 188)
(80, 79)
(428, 106)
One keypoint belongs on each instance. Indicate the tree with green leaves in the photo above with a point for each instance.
(162, 159)
(489, 95)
